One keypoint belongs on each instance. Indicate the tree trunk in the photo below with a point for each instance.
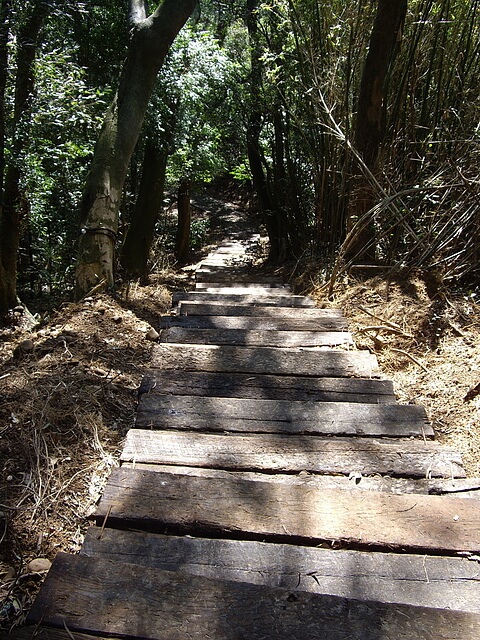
(254, 126)
(13, 201)
(139, 237)
(151, 39)
(370, 120)
(182, 245)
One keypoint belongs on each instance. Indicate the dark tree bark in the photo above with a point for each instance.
(371, 115)
(13, 202)
(254, 127)
(139, 237)
(151, 39)
(182, 245)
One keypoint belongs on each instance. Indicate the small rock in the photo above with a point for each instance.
(23, 347)
(38, 565)
(7, 573)
(88, 300)
(19, 309)
(152, 335)
(63, 337)
(27, 346)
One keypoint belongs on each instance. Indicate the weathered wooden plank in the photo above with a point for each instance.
(231, 287)
(252, 338)
(269, 300)
(228, 262)
(245, 385)
(287, 453)
(257, 323)
(210, 275)
(194, 308)
(297, 514)
(219, 273)
(248, 415)
(240, 289)
(265, 360)
(454, 487)
(96, 596)
(426, 581)
(36, 632)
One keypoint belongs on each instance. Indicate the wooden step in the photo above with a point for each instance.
(90, 595)
(194, 308)
(226, 287)
(250, 337)
(281, 416)
(213, 274)
(287, 453)
(255, 323)
(265, 360)
(38, 632)
(269, 300)
(211, 507)
(228, 261)
(256, 291)
(267, 387)
(426, 581)
(460, 488)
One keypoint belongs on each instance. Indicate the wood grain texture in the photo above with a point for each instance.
(226, 309)
(206, 274)
(36, 632)
(270, 299)
(267, 387)
(252, 338)
(94, 595)
(253, 284)
(427, 581)
(265, 360)
(197, 506)
(249, 289)
(256, 323)
(247, 415)
(460, 488)
(287, 453)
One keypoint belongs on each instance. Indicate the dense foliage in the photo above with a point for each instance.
(268, 92)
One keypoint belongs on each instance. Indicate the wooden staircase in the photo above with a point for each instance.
(272, 488)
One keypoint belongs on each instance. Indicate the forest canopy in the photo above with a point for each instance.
(356, 124)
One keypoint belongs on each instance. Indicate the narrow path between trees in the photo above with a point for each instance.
(271, 488)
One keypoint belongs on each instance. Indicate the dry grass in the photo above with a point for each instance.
(427, 341)
(64, 410)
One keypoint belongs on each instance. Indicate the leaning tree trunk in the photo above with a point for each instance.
(13, 201)
(151, 39)
(182, 244)
(136, 248)
(370, 120)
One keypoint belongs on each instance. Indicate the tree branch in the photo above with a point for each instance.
(138, 11)
(181, 6)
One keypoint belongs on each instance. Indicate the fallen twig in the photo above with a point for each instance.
(394, 325)
(104, 522)
(387, 329)
(410, 357)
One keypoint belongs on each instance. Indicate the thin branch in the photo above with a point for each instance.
(138, 11)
